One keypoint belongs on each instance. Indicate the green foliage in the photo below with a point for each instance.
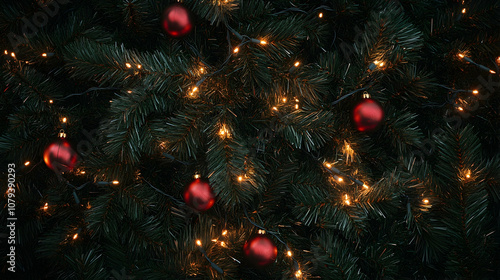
(416, 199)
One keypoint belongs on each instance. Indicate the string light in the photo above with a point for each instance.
(460, 109)
(289, 253)
(27, 163)
(296, 106)
(492, 72)
(365, 186)
(320, 15)
(197, 176)
(51, 101)
(467, 174)
(115, 182)
(275, 108)
(461, 55)
(298, 273)
(284, 99)
(6, 52)
(128, 65)
(297, 64)
(347, 201)
(82, 172)
(139, 66)
(224, 232)
(425, 201)
(75, 236)
(44, 54)
(328, 165)
(198, 242)
(475, 91)
(129, 91)
(46, 206)
(224, 132)
(202, 70)
(223, 244)
(262, 42)
(236, 50)
(464, 10)
(338, 179)
(240, 178)
(64, 120)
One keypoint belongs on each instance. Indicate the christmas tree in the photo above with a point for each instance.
(250, 139)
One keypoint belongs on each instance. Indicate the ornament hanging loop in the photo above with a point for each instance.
(366, 94)
(61, 134)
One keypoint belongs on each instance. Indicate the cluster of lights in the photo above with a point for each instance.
(337, 175)
(128, 65)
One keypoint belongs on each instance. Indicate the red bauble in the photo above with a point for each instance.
(367, 115)
(59, 156)
(260, 250)
(199, 195)
(176, 21)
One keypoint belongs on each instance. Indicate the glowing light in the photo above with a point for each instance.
(347, 201)
(64, 120)
(464, 10)
(289, 253)
(198, 242)
(320, 15)
(240, 178)
(298, 273)
(297, 64)
(261, 231)
(348, 152)
(236, 50)
(139, 66)
(492, 72)
(275, 108)
(197, 176)
(202, 70)
(381, 64)
(460, 109)
(46, 206)
(328, 165)
(44, 54)
(12, 54)
(376, 62)
(224, 232)
(365, 186)
(75, 236)
(224, 132)
(425, 201)
(461, 55)
(51, 101)
(296, 106)
(223, 244)
(82, 172)
(5, 52)
(128, 65)
(262, 42)
(467, 174)
(340, 179)
(195, 89)
(27, 163)
(284, 99)
(115, 182)
(475, 91)
(129, 91)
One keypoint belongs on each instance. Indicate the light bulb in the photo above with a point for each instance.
(128, 65)
(198, 242)
(115, 182)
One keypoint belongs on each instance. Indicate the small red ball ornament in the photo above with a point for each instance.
(260, 250)
(59, 156)
(199, 195)
(367, 115)
(176, 21)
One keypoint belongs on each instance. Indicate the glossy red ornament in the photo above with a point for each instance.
(260, 250)
(199, 195)
(176, 21)
(59, 156)
(367, 115)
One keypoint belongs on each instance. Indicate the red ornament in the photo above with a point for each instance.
(59, 156)
(199, 195)
(260, 250)
(176, 21)
(367, 115)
